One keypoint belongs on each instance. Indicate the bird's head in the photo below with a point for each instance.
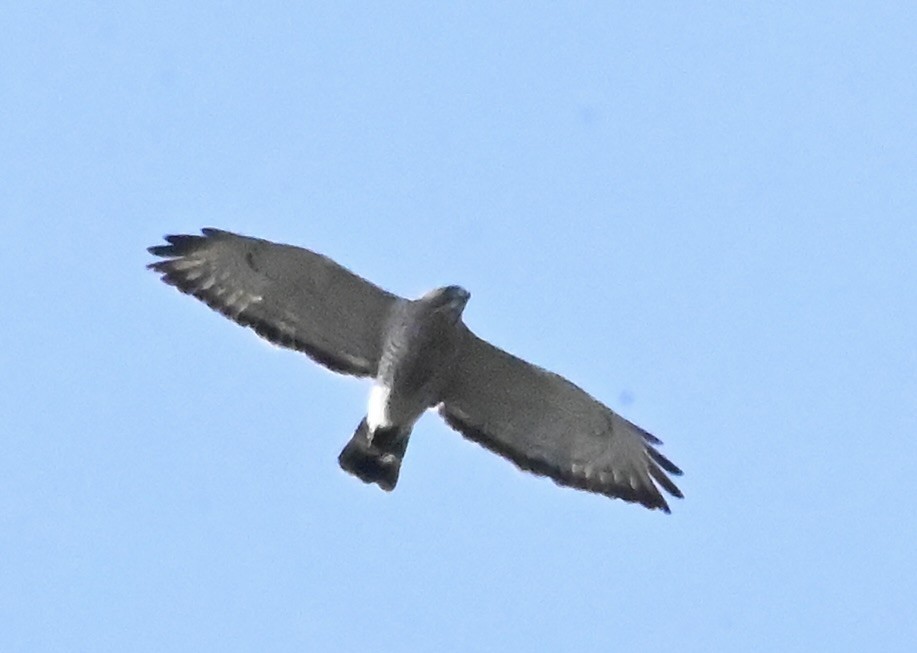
(450, 299)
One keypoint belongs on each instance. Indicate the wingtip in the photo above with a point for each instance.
(178, 245)
(160, 250)
(664, 462)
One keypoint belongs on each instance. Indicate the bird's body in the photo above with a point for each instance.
(410, 379)
(420, 355)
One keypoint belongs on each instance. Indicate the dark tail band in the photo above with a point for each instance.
(377, 459)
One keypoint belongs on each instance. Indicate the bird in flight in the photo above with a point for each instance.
(420, 355)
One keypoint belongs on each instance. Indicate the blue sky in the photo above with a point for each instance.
(703, 213)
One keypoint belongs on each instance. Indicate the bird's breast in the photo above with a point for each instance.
(416, 357)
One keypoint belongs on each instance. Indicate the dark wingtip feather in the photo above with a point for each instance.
(664, 462)
(665, 482)
(158, 266)
(185, 244)
(181, 244)
(643, 433)
(161, 250)
(649, 437)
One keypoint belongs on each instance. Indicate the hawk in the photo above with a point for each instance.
(420, 355)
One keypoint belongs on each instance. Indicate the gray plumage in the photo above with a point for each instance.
(420, 355)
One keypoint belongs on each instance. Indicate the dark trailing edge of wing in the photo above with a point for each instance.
(646, 493)
(181, 246)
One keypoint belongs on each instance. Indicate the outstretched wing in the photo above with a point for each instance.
(547, 425)
(290, 296)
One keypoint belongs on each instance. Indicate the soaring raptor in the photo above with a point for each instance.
(420, 355)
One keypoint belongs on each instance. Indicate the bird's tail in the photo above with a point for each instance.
(375, 458)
